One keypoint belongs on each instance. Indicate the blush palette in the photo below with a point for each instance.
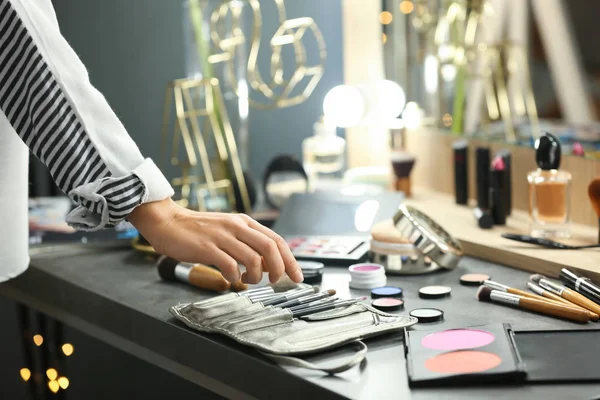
(329, 249)
(466, 356)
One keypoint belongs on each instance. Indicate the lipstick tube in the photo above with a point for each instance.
(461, 168)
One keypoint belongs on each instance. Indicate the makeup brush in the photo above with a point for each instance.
(565, 293)
(198, 275)
(503, 288)
(402, 163)
(315, 303)
(594, 195)
(326, 307)
(581, 284)
(549, 296)
(545, 307)
(307, 299)
(547, 243)
(290, 296)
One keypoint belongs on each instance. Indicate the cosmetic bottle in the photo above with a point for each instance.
(324, 153)
(549, 191)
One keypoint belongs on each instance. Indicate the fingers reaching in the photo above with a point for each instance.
(290, 264)
(228, 266)
(267, 248)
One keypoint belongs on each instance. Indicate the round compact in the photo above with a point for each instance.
(386, 291)
(367, 276)
(312, 271)
(390, 248)
(428, 237)
(388, 304)
(474, 279)
(434, 292)
(427, 314)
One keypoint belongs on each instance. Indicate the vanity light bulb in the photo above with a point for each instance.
(344, 106)
(412, 115)
(389, 98)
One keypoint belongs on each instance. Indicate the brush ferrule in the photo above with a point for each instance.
(182, 272)
(535, 288)
(496, 286)
(552, 287)
(503, 297)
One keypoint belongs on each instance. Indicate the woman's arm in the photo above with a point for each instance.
(46, 95)
(48, 99)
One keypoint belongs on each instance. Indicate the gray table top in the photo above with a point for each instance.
(117, 296)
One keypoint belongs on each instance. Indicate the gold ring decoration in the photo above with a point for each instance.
(291, 32)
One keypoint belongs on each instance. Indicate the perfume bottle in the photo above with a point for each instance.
(324, 153)
(549, 191)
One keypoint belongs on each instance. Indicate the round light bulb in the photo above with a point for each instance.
(412, 115)
(344, 106)
(389, 98)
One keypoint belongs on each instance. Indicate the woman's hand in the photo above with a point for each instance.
(218, 239)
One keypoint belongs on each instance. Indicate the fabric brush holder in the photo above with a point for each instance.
(280, 336)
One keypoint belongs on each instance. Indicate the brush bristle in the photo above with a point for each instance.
(536, 278)
(402, 164)
(331, 292)
(166, 268)
(594, 195)
(484, 293)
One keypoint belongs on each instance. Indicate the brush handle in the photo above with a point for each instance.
(557, 310)
(524, 294)
(558, 299)
(208, 278)
(554, 300)
(580, 300)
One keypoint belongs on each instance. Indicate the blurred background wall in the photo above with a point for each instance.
(133, 48)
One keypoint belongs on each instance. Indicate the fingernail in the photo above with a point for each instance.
(244, 278)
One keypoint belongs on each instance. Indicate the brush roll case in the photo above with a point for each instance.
(277, 334)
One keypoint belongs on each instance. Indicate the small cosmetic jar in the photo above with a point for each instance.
(367, 276)
(392, 250)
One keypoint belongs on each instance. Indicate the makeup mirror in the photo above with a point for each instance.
(494, 70)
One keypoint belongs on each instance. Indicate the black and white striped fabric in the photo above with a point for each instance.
(44, 119)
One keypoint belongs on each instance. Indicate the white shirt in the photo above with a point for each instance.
(48, 105)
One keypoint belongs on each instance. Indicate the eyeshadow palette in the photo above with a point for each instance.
(329, 249)
(466, 356)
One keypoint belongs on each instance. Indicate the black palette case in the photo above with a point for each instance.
(510, 370)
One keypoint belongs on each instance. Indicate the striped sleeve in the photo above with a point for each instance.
(35, 97)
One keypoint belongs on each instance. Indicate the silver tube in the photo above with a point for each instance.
(264, 289)
(535, 288)
(506, 298)
(552, 287)
(496, 286)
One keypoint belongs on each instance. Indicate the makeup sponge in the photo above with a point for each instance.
(386, 232)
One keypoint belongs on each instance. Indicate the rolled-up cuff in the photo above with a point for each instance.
(105, 203)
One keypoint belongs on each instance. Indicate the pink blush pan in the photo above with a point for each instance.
(456, 339)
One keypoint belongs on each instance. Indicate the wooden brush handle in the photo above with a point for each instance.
(208, 278)
(238, 286)
(581, 300)
(558, 299)
(555, 300)
(525, 294)
(557, 310)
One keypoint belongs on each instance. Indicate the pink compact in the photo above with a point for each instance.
(367, 276)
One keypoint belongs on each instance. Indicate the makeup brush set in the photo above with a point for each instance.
(579, 302)
(298, 321)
